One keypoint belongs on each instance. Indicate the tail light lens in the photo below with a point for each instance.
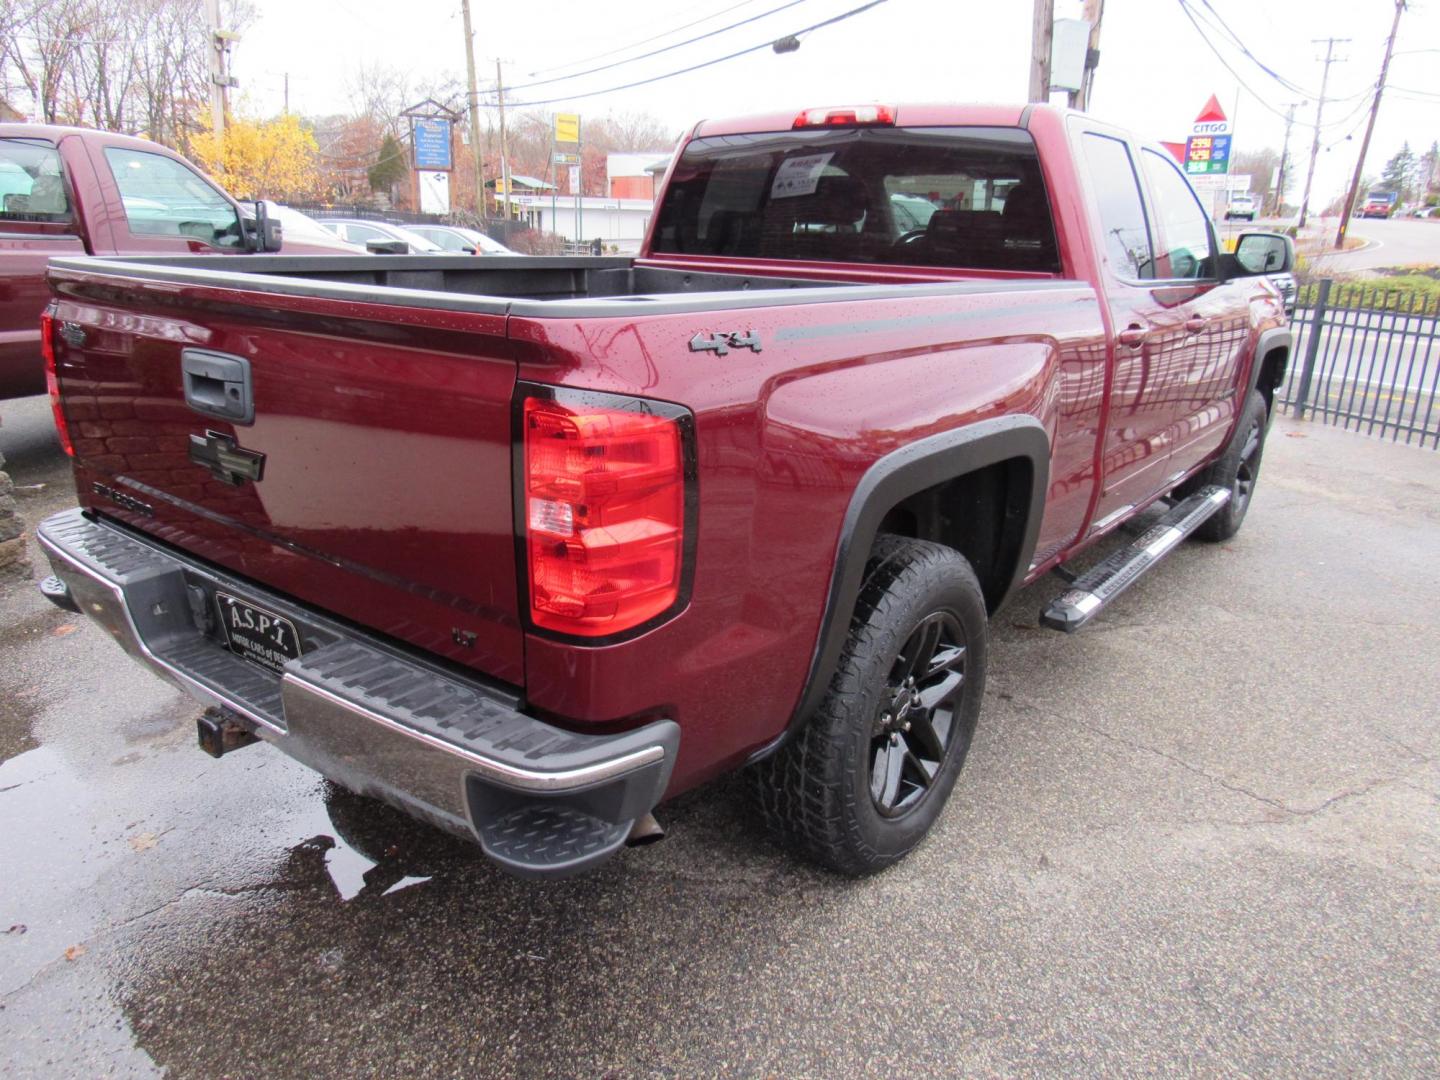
(604, 512)
(52, 380)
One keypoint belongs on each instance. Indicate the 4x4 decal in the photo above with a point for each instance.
(722, 342)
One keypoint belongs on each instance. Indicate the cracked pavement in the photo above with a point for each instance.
(1200, 836)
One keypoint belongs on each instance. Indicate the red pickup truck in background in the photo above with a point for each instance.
(525, 546)
(74, 191)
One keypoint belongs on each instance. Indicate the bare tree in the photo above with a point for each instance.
(135, 66)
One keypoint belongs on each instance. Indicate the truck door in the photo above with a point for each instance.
(158, 204)
(1206, 325)
(37, 220)
(1146, 372)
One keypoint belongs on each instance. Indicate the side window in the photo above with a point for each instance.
(31, 186)
(164, 198)
(1183, 221)
(363, 234)
(1122, 213)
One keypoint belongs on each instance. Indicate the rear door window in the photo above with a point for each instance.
(32, 184)
(163, 197)
(953, 197)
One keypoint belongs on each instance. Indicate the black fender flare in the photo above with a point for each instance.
(1277, 337)
(893, 478)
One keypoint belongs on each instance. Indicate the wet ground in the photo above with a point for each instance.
(1203, 835)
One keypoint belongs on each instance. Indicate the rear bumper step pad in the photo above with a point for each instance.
(1107, 579)
(539, 800)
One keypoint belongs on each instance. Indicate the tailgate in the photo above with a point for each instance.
(384, 492)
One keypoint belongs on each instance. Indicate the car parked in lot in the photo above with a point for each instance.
(461, 240)
(74, 191)
(394, 239)
(299, 227)
(527, 546)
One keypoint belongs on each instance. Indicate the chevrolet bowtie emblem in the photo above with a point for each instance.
(225, 459)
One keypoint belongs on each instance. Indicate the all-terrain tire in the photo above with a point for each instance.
(1237, 469)
(819, 790)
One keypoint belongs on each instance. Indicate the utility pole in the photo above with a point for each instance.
(287, 93)
(1369, 130)
(474, 100)
(504, 157)
(1285, 159)
(1330, 44)
(217, 70)
(1041, 36)
(1094, 11)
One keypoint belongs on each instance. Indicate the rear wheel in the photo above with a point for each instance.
(866, 777)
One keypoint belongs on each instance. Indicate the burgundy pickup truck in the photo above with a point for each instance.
(527, 546)
(74, 191)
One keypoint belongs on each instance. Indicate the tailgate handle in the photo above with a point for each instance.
(217, 384)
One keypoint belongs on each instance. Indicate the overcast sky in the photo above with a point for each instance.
(1155, 72)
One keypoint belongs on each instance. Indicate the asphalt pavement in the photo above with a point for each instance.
(1390, 242)
(1200, 836)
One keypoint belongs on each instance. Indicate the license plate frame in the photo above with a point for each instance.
(253, 632)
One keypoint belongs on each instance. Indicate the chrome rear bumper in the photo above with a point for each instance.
(449, 749)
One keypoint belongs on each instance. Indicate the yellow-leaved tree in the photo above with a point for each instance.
(260, 159)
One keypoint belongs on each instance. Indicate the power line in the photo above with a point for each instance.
(663, 49)
(643, 41)
(696, 67)
(1184, 7)
(1415, 93)
(1239, 44)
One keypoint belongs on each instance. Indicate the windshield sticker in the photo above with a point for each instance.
(799, 175)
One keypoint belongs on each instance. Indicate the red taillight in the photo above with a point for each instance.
(851, 116)
(604, 514)
(52, 380)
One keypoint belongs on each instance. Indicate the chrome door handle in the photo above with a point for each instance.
(1133, 336)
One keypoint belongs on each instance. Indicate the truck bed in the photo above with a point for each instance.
(569, 287)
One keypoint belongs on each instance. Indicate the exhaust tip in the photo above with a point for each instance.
(646, 830)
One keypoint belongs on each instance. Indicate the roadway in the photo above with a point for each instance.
(1397, 242)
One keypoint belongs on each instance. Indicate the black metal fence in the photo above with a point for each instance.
(1366, 359)
(367, 213)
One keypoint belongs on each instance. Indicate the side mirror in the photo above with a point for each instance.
(387, 247)
(265, 234)
(468, 250)
(1264, 253)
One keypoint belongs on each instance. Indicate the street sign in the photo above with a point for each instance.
(1207, 154)
(562, 158)
(567, 128)
(1203, 182)
(431, 138)
(574, 179)
(1207, 150)
(434, 192)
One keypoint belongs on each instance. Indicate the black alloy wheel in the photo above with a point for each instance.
(1248, 470)
(865, 777)
(915, 726)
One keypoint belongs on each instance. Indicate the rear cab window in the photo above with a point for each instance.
(163, 197)
(32, 183)
(963, 198)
